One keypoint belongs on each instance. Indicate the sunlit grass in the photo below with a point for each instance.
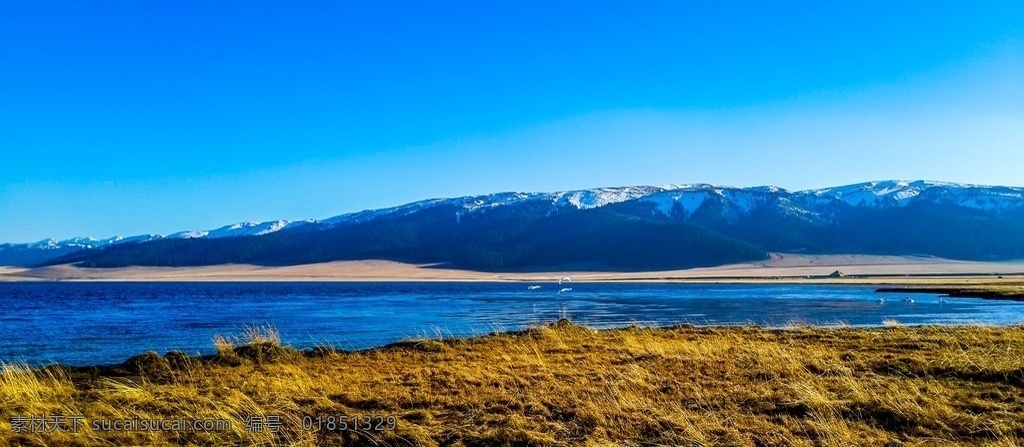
(565, 384)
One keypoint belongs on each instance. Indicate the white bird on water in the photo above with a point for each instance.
(533, 287)
(565, 289)
(565, 279)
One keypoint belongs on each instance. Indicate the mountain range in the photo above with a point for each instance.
(617, 228)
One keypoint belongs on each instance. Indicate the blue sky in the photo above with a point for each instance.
(128, 117)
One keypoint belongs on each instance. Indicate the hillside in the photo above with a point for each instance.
(622, 229)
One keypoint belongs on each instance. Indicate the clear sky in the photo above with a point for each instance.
(121, 118)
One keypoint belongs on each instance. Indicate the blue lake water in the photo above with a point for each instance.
(94, 323)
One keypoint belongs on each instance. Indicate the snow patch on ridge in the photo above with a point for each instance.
(666, 199)
(901, 193)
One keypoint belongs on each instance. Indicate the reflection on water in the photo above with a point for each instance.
(86, 323)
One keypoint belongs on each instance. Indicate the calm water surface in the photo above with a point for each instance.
(92, 323)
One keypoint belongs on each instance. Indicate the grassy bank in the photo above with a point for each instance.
(1010, 292)
(566, 385)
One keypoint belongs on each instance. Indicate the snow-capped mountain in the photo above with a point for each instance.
(580, 199)
(891, 193)
(81, 242)
(48, 248)
(741, 201)
(241, 229)
(901, 193)
(752, 218)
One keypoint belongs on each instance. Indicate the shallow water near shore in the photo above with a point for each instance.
(102, 323)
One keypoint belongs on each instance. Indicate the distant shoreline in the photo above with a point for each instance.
(780, 268)
(988, 292)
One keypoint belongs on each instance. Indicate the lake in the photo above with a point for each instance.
(102, 323)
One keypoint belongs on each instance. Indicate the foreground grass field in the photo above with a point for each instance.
(563, 385)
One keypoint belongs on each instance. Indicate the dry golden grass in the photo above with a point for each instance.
(569, 385)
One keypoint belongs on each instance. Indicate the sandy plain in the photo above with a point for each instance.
(781, 267)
